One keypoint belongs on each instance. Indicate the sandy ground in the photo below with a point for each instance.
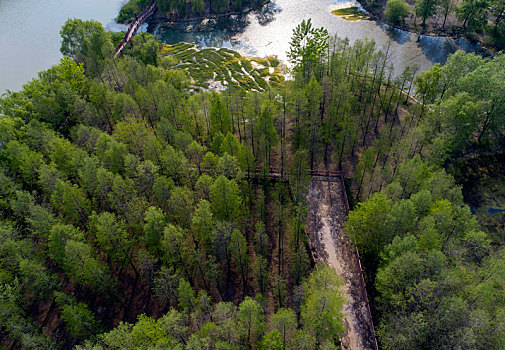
(325, 226)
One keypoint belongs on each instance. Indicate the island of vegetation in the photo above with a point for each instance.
(184, 10)
(481, 21)
(139, 212)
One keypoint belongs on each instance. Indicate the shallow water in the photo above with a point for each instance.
(30, 39)
(268, 32)
(30, 36)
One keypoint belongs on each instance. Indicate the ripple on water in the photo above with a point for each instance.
(253, 35)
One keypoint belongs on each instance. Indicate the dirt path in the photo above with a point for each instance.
(325, 225)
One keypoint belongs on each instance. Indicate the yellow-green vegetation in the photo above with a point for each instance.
(210, 67)
(350, 13)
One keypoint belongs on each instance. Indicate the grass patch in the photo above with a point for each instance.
(231, 52)
(350, 13)
(261, 61)
(274, 62)
(224, 65)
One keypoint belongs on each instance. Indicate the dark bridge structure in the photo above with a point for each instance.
(134, 27)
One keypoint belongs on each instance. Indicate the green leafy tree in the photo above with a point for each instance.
(73, 73)
(82, 266)
(71, 201)
(203, 224)
(226, 199)
(240, 254)
(472, 13)
(446, 6)
(367, 225)
(313, 124)
(322, 310)
(58, 238)
(285, 321)
(266, 135)
(272, 341)
(396, 11)
(302, 340)
(153, 229)
(75, 33)
(498, 10)
(180, 206)
(174, 246)
(250, 316)
(80, 321)
(425, 9)
(220, 119)
(186, 296)
(112, 236)
(299, 175)
(308, 48)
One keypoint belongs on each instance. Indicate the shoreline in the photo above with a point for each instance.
(159, 18)
(377, 14)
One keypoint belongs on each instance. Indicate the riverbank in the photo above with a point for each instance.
(131, 9)
(167, 18)
(437, 26)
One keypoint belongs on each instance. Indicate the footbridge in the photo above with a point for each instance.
(134, 27)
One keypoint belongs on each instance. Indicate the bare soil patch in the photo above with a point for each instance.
(325, 225)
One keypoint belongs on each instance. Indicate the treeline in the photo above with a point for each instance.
(436, 278)
(477, 19)
(186, 8)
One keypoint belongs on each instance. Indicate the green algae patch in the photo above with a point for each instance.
(349, 13)
(221, 68)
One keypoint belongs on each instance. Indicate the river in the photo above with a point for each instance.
(30, 35)
(30, 39)
(268, 33)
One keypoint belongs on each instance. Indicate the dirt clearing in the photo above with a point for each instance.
(327, 213)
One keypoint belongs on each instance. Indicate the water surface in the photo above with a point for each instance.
(268, 32)
(30, 36)
(30, 39)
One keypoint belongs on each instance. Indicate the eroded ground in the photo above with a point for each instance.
(325, 226)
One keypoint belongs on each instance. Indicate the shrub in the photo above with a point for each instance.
(396, 10)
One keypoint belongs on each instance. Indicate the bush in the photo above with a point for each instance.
(396, 11)
(131, 9)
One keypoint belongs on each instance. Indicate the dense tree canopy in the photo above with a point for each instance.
(137, 213)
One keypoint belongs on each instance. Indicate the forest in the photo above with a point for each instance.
(181, 9)
(479, 21)
(136, 212)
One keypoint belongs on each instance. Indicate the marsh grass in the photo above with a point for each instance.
(225, 66)
(350, 13)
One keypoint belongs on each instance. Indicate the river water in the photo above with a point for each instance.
(268, 33)
(30, 35)
(30, 41)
